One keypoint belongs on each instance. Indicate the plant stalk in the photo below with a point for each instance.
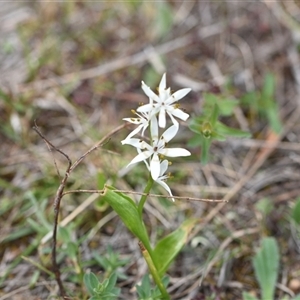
(144, 197)
(154, 272)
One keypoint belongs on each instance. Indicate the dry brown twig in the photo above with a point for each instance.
(60, 194)
(143, 194)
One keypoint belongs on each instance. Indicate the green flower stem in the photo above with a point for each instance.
(154, 272)
(144, 197)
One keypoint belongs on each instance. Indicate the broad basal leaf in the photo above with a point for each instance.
(128, 212)
(266, 264)
(168, 247)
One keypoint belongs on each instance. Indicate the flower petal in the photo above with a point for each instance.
(137, 143)
(177, 113)
(173, 119)
(170, 133)
(162, 118)
(140, 157)
(134, 132)
(166, 187)
(175, 152)
(149, 92)
(154, 128)
(163, 167)
(178, 95)
(155, 166)
(162, 84)
(146, 108)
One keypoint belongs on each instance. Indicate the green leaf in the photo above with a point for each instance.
(251, 99)
(225, 105)
(95, 298)
(72, 249)
(247, 296)
(214, 116)
(99, 204)
(195, 126)
(112, 282)
(296, 212)
(146, 292)
(194, 141)
(168, 247)
(228, 131)
(144, 289)
(269, 86)
(64, 234)
(34, 278)
(266, 265)
(274, 119)
(22, 231)
(101, 179)
(91, 282)
(205, 150)
(128, 212)
(268, 105)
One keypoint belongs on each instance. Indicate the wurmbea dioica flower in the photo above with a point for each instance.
(152, 154)
(142, 121)
(157, 148)
(164, 102)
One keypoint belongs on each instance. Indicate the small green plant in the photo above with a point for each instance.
(105, 290)
(147, 292)
(263, 103)
(111, 263)
(266, 267)
(208, 127)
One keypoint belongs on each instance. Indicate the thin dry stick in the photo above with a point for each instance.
(56, 205)
(144, 194)
(60, 194)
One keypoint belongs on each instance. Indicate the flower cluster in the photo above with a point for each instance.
(153, 115)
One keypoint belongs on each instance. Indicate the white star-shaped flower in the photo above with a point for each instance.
(164, 102)
(156, 149)
(142, 121)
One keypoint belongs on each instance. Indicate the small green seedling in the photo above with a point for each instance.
(266, 267)
(208, 127)
(263, 103)
(146, 292)
(111, 263)
(105, 290)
